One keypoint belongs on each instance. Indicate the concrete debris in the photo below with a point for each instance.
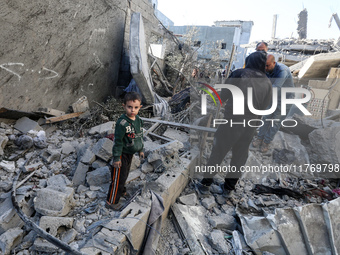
(79, 176)
(326, 143)
(67, 148)
(190, 199)
(25, 124)
(10, 239)
(60, 205)
(77, 215)
(209, 202)
(223, 222)
(103, 129)
(52, 224)
(103, 149)
(318, 66)
(99, 176)
(218, 242)
(163, 156)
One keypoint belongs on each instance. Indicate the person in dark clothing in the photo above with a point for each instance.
(237, 138)
(128, 141)
(280, 76)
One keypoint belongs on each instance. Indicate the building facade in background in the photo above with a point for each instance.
(226, 33)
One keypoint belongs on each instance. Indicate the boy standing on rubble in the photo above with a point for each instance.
(128, 141)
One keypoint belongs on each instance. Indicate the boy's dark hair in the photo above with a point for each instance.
(132, 96)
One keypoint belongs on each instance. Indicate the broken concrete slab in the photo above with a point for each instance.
(60, 205)
(10, 239)
(332, 218)
(68, 236)
(223, 222)
(138, 58)
(59, 181)
(50, 155)
(103, 129)
(99, 176)
(318, 66)
(79, 176)
(8, 216)
(67, 148)
(98, 163)
(163, 151)
(42, 245)
(190, 199)
(103, 149)
(218, 242)
(209, 202)
(89, 157)
(52, 224)
(194, 224)
(326, 143)
(314, 229)
(25, 124)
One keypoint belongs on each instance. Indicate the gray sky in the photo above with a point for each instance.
(190, 12)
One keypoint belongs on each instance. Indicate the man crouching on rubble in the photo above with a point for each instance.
(128, 141)
(237, 137)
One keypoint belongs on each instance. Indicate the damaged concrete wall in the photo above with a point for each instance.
(151, 27)
(53, 52)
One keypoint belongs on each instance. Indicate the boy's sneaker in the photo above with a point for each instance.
(203, 189)
(114, 207)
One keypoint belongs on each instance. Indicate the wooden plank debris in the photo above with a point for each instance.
(63, 117)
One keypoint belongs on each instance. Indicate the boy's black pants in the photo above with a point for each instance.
(118, 179)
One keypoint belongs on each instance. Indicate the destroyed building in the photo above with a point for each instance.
(55, 164)
(228, 33)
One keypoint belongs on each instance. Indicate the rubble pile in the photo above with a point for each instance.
(64, 180)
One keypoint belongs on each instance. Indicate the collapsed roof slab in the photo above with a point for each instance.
(138, 58)
(318, 66)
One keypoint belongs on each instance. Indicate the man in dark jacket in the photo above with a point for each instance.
(280, 76)
(238, 137)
